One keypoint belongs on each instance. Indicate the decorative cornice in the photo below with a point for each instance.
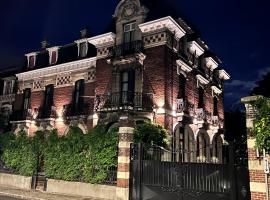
(211, 63)
(224, 75)
(81, 40)
(57, 69)
(202, 80)
(216, 90)
(195, 47)
(183, 66)
(31, 54)
(102, 40)
(166, 22)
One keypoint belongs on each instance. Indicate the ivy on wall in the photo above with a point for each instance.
(75, 156)
(261, 127)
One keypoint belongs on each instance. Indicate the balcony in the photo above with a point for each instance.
(7, 98)
(73, 110)
(21, 115)
(124, 101)
(126, 49)
(180, 105)
(45, 113)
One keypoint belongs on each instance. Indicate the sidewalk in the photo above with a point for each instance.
(37, 195)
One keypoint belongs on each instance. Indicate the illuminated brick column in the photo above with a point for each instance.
(258, 183)
(126, 130)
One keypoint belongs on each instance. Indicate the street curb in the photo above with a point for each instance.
(20, 196)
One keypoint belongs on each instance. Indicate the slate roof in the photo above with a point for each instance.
(66, 53)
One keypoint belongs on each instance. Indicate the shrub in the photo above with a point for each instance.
(18, 154)
(150, 134)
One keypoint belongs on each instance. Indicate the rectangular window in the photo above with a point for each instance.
(129, 32)
(127, 86)
(48, 102)
(201, 98)
(31, 62)
(26, 99)
(53, 57)
(78, 94)
(215, 101)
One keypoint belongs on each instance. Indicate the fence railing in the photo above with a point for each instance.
(124, 100)
(71, 110)
(126, 49)
(20, 115)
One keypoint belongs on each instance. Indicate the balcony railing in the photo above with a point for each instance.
(46, 113)
(126, 49)
(73, 110)
(200, 114)
(7, 98)
(124, 100)
(21, 115)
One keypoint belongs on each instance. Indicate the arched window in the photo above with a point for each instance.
(201, 148)
(182, 87)
(216, 154)
(215, 102)
(183, 144)
(201, 98)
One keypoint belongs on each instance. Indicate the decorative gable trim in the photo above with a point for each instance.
(183, 66)
(57, 69)
(107, 39)
(195, 48)
(224, 75)
(201, 80)
(166, 22)
(211, 63)
(216, 90)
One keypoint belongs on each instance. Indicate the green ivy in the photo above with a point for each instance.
(261, 127)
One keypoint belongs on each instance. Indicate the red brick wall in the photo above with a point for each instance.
(18, 103)
(37, 99)
(103, 76)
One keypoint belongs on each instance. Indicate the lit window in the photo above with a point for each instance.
(78, 94)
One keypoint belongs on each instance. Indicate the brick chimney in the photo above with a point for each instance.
(45, 44)
(85, 33)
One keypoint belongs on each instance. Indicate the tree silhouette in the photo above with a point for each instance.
(263, 86)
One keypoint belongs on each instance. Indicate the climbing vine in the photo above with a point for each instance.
(261, 127)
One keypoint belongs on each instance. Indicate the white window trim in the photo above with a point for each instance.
(202, 80)
(30, 55)
(79, 42)
(215, 90)
(195, 48)
(183, 66)
(51, 50)
(211, 63)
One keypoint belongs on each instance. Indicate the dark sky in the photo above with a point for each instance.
(238, 31)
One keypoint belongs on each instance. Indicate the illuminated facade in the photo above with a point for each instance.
(156, 69)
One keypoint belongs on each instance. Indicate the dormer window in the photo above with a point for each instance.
(82, 49)
(53, 55)
(129, 32)
(31, 60)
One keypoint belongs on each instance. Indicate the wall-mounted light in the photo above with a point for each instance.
(160, 110)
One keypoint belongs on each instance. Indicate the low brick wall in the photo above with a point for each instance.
(82, 189)
(17, 181)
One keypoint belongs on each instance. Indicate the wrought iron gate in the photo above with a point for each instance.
(156, 176)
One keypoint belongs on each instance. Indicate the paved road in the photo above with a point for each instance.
(8, 198)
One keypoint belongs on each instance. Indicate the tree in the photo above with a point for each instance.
(263, 86)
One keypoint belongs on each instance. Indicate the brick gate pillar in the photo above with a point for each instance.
(259, 186)
(126, 130)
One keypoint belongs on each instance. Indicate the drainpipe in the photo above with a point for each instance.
(266, 180)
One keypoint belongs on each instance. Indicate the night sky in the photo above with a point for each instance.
(238, 31)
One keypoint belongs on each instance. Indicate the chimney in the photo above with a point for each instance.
(85, 33)
(44, 44)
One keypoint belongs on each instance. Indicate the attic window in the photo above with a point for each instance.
(31, 61)
(53, 57)
(83, 50)
(129, 32)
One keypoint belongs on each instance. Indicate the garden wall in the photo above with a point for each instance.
(17, 181)
(82, 189)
